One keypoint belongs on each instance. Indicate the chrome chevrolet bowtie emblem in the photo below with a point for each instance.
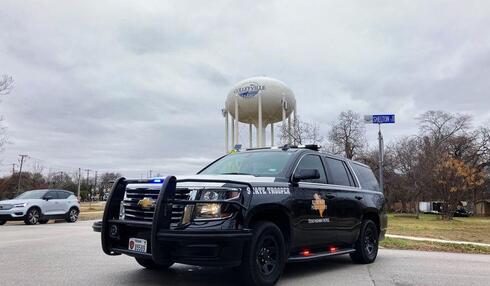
(146, 203)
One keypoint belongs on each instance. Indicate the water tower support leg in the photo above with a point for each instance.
(250, 136)
(237, 120)
(232, 132)
(272, 134)
(289, 130)
(226, 132)
(260, 142)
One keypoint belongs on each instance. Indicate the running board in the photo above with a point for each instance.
(319, 255)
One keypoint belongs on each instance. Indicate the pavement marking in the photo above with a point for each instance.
(437, 240)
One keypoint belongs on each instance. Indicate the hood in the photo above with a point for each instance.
(239, 178)
(13, 202)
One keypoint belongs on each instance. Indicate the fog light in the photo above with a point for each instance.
(114, 230)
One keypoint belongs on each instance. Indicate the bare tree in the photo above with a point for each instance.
(441, 126)
(6, 85)
(348, 134)
(301, 132)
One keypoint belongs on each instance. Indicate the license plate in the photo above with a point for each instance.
(137, 244)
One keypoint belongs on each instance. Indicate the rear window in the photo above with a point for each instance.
(63, 195)
(366, 177)
(338, 172)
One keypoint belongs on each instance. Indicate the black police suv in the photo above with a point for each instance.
(256, 210)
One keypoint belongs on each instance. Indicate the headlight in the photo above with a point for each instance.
(212, 211)
(209, 211)
(210, 196)
(20, 205)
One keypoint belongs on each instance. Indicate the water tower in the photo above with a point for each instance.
(258, 102)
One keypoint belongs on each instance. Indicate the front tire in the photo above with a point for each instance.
(152, 265)
(264, 256)
(72, 215)
(32, 216)
(367, 244)
(2, 222)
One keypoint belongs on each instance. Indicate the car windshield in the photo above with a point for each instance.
(37, 194)
(261, 164)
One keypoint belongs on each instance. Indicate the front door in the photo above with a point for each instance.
(312, 200)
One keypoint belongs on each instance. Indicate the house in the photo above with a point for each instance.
(482, 207)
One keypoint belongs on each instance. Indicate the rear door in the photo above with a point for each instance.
(64, 202)
(347, 209)
(51, 205)
(313, 215)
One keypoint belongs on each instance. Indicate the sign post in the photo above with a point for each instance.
(380, 119)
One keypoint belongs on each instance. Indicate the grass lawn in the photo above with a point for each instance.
(473, 229)
(91, 211)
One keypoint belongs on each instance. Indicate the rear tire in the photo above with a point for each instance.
(152, 265)
(72, 215)
(367, 244)
(32, 216)
(264, 256)
(2, 222)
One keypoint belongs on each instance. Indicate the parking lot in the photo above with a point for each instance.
(70, 254)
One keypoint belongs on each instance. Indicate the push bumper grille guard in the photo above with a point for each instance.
(163, 210)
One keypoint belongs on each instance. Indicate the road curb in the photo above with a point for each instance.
(437, 240)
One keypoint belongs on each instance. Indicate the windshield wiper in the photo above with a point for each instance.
(236, 173)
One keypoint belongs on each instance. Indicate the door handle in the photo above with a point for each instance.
(330, 196)
(358, 197)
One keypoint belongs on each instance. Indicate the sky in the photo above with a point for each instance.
(133, 86)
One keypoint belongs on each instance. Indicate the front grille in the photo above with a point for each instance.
(133, 211)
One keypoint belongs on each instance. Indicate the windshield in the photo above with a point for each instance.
(37, 194)
(261, 164)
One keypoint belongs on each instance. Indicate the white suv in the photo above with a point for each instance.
(41, 206)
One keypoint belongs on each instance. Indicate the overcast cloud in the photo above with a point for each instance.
(137, 85)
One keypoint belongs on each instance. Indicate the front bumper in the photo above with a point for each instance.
(205, 248)
(217, 245)
(13, 214)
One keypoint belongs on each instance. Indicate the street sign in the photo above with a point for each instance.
(380, 118)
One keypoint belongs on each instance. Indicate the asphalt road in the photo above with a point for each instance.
(70, 254)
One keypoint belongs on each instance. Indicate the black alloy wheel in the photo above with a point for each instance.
(367, 243)
(264, 256)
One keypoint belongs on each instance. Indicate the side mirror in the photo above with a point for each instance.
(306, 174)
(47, 198)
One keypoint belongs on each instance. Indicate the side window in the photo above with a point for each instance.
(313, 162)
(366, 177)
(63, 195)
(338, 172)
(52, 194)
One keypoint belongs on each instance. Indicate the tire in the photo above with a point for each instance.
(264, 256)
(367, 244)
(152, 265)
(72, 215)
(2, 222)
(43, 221)
(32, 216)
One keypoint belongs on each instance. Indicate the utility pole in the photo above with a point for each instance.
(88, 186)
(150, 173)
(381, 158)
(22, 157)
(13, 168)
(79, 179)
